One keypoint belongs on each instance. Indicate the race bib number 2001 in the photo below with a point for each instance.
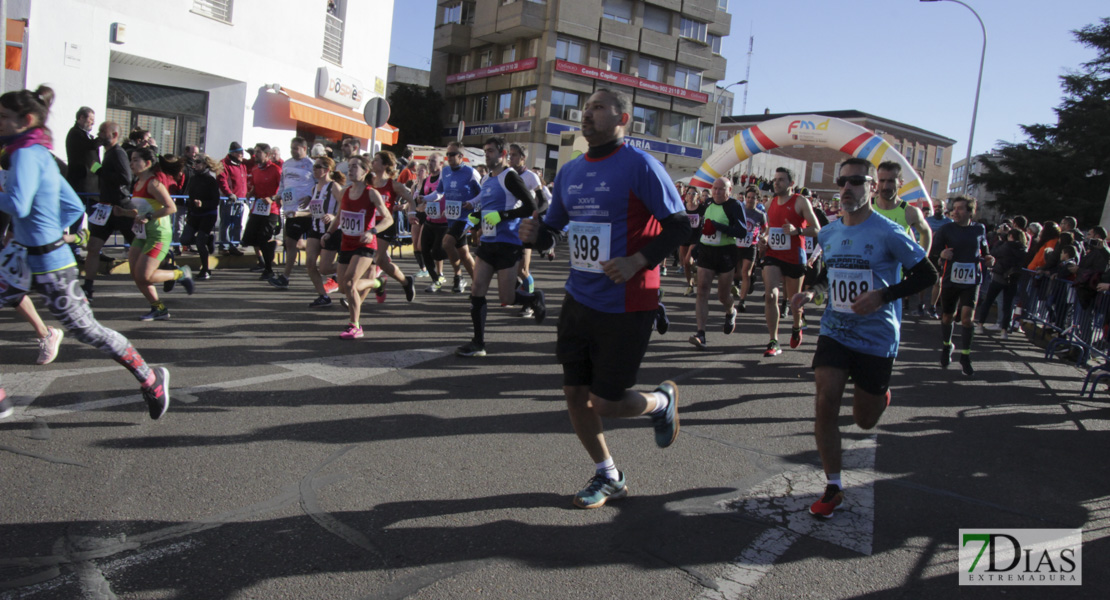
(352, 222)
(589, 245)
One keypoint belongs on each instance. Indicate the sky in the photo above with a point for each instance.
(905, 60)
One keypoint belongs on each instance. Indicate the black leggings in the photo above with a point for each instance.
(431, 247)
(67, 303)
(199, 229)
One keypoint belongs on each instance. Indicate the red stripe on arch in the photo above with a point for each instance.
(763, 139)
(852, 146)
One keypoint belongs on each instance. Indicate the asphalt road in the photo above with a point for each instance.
(296, 465)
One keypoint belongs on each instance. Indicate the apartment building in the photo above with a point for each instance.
(523, 68)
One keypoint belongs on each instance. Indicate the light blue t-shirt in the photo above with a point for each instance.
(42, 205)
(864, 257)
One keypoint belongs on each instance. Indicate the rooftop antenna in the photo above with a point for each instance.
(748, 72)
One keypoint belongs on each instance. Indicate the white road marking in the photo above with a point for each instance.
(337, 370)
(784, 500)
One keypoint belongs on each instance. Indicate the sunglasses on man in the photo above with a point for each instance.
(852, 180)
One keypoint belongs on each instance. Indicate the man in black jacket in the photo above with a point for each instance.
(115, 191)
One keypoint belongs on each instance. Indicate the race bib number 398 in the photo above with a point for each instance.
(589, 245)
(845, 285)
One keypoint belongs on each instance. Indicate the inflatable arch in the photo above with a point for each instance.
(811, 130)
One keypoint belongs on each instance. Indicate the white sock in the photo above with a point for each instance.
(661, 402)
(834, 479)
(608, 469)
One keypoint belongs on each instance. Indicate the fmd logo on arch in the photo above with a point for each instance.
(1021, 557)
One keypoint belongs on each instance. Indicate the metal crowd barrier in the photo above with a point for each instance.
(117, 241)
(1054, 305)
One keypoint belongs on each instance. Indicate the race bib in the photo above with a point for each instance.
(432, 210)
(487, 229)
(811, 244)
(260, 207)
(454, 209)
(316, 207)
(139, 229)
(711, 240)
(845, 285)
(100, 214)
(287, 197)
(749, 240)
(964, 273)
(777, 239)
(352, 223)
(695, 220)
(13, 267)
(589, 245)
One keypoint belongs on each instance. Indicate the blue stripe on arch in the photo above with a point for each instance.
(869, 147)
(914, 195)
(749, 142)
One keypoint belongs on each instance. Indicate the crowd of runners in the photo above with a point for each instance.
(621, 218)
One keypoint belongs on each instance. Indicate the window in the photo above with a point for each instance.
(508, 55)
(481, 103)
(909, 154)
(683, 128)
(722, 4)
(695, 30)
(333, 38)
(650, 117)
(460, 13)
(705, 134)
(938, 158)
(528, 103)
(570, 51)
(614, 60)
(618, 10)
(651, 69)
(485, 59)
(460, 109)
(933, 189)
(505, 105)
(715, 43)
(899, 148)
(818, 172)
(657, 19)
(562, 102)
(921, 158)
(687, 78)
(219, 10)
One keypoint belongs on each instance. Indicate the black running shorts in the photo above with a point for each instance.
(870, 373)
(601, 350)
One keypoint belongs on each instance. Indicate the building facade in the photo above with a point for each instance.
(928, 152)
(523, 69)
(209, 72)
(960, 186)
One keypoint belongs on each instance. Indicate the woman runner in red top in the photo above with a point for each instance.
(324, 205)
(361, 211)
(383, 169)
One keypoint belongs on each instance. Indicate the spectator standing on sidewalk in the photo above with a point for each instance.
(233, 186)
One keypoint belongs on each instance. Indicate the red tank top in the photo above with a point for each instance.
(356, 216)
(389, 197)
(787, 248)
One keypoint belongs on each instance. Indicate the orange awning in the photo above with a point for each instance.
(13, 56)
(334, 117)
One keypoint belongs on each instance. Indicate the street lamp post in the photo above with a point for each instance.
(717, 110)
(978, 85)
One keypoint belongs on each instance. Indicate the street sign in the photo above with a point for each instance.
(376, 112)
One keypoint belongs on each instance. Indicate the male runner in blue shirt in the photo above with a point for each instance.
(624, 217)
(864, 254)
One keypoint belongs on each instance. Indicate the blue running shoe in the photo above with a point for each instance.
(599, 490)
(666, 422)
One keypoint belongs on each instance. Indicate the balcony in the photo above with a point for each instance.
(721, 24)
(520, 19)
(675, 5)
(333, 39)
(621, 35)
(452, 38)
(702, 10)
(658, 44)
(694, 54)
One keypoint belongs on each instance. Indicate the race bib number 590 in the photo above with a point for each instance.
(589, 245)
(845, 285)
(777, 239)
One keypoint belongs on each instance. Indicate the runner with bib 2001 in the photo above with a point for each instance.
(624, 217)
